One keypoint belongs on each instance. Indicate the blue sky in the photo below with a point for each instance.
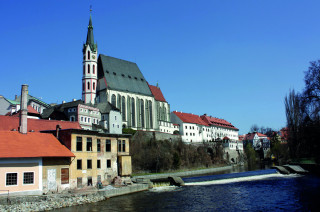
(231, 59)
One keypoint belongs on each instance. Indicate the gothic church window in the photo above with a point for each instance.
(113, 100)
(123, 109)
(133, 112)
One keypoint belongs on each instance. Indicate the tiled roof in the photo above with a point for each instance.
(30, 110)
(156, 92)
(17, 145)
(18, 99)
(190, 118)
(8, 123)
(217, 122)
(121, 75)
(250, 136)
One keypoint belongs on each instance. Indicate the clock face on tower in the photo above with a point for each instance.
(93, 57)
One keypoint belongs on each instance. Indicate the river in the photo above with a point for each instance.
(262, 190)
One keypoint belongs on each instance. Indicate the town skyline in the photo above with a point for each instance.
(210, 57)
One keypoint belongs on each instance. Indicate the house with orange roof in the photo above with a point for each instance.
(221, 128)
(32, 163)
(260, 142)
(191, 127)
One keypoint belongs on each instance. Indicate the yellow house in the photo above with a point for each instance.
(99, 157)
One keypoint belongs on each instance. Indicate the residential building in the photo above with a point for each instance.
(34, 102)
(8, 106)
(99, 157)
(191, 127)
(24, 163)
(220, 128)
(32, 113)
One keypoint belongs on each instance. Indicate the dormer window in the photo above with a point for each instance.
(88, 54)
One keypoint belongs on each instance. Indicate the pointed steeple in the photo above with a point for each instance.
(90, 40)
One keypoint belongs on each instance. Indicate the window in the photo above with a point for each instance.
(98, 164)
(119, 146)
(108, 163)
(28, 178)
(93, 69)
(123, 145)
(94, 86)
(12, 179)
(79, 164)
(98, 145)
(89, 164)
(89, 120)
(84, 69)
(88, 55)
(89, 144)
(113, 100)
(83, 87)
(81, 118)
(79, 144)
(115, 118)
(64, 176)
(88, 85)
(186, 133)
(186, 127)
(108, 145)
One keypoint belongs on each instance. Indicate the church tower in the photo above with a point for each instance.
(90, 68)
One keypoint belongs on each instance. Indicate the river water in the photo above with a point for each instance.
(263, 190)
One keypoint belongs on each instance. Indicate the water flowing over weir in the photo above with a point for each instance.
(234, 177)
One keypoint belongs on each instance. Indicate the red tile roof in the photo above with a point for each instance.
(8, 123)
(30, 145)
(250, 136)
(156, 92)
(217, 122)
(31, 110)
(190, 118)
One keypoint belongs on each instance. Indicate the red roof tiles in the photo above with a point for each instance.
(17, 145)
(217, 122)
(250, 136)
(156, 92)
(190, 118)
(8, 123)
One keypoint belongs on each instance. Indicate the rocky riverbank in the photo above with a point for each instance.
(50, 202)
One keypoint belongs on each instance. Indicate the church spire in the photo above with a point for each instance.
(90, 40)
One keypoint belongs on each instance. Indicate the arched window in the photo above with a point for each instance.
(142, 113)
(123, 108)
(94, 86)
(88, 55)
(150, 111)
(83, 86)
(119, 102)
(113, 100)
(93, 69)
(133, 112)
(84, 69)
(88, 68)
(88, 85)
(164, 113)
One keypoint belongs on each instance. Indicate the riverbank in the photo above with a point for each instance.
(50, 202)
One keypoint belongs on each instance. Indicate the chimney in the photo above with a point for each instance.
(23, 110)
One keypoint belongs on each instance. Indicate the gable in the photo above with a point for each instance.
(121, 75)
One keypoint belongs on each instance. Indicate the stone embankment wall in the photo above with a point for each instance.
(147, 135)
(50, 202)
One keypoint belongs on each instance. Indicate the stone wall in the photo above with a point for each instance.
(148, 135)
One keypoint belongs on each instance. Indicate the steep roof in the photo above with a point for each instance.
(31, 111)
(34, 99)
(8, 123)
(190, 118)
(30, 145)
(60, 108)
(250, 136)
(121, 75)
(217, 122)
(156, 92)
(90, 40)
(106, 107)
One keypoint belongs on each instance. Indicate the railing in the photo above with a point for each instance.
(8, 200)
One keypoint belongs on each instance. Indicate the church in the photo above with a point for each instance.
(121, 83)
